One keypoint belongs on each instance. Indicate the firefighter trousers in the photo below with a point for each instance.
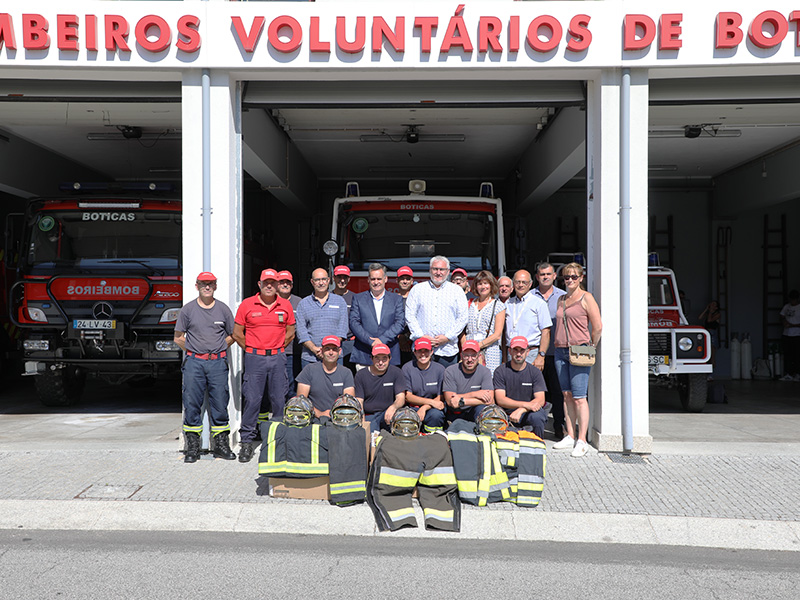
(400, 465)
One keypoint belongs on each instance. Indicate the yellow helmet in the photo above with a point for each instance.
(492, 419)
(347, 412)
(406, 423)
(298, 411)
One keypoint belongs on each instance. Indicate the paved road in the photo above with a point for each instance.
(78, 565)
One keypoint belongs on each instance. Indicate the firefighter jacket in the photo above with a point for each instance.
(347, 454)
(290, 451)
(400, 465)
(502, 467)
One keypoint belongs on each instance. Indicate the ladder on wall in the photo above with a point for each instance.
(722, 283)
(662, 241)
(775, 284)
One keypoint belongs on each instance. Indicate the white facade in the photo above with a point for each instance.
(267, 41)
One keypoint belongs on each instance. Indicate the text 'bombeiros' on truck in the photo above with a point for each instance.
(97, 286)
(408, 230)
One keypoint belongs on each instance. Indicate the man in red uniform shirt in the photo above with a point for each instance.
(263, 327)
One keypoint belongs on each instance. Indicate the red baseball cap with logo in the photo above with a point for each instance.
(206, 276)
(459, 271)
(518, 342)
(405, 271)
(471, 345)
(282, 275)
(342, 270)
(422, 343)
(332, 340)
(269, 274)
(380, 349)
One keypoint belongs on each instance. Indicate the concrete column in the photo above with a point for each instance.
(604, 252)
(226, 201)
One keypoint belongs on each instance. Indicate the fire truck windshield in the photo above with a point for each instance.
(468, 239)
(659, 291)
(104, 239)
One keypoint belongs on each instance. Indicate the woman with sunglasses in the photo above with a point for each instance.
(577, 322)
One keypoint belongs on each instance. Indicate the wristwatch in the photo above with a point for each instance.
(461, 403)
(542, 353)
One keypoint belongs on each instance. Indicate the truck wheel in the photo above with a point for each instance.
(62, 387)
(693, 391)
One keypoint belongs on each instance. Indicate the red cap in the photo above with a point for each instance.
(285, 275)
(458, 271)
(471, 345)
(332, 340)
(269, 274)
(422, 343)
(380, 349)
(342, 270)
(518, 342)
(206, 276)
(405, 271)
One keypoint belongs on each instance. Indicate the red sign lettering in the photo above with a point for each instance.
(729, 35)
(580, 36)
(188, 35)
(547, 22)
(489, 29)
(357, 45)
(248, 40)
(145, 26)
(7, 32)
(67, 32)
(282, 23)
(670, 32)
(426, 25)
(116, 33)
(34, 32)
(778, 23)
(633, 39)
(396, 38)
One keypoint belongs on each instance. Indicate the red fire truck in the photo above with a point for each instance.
(410, 229)
(98, 289)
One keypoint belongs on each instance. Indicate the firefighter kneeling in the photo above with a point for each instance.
(300, 447)
(494, 463)
(407, 459)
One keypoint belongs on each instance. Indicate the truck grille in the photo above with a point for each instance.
(659, 343)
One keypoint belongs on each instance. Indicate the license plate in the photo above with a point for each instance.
(94, 324)
(657, 360)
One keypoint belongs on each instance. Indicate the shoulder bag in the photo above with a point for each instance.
(580, 355)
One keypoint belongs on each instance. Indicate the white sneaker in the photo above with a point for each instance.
(581, 448)
(565, 443)
(787, 377)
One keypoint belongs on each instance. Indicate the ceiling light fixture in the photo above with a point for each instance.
(116, 137)
(412, 135)
(704, 130)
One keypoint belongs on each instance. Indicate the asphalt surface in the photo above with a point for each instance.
(113, 463)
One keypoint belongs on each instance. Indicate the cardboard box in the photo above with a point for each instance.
(314, 488)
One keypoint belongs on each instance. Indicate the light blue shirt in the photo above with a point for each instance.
(315, 320)
(527, 316)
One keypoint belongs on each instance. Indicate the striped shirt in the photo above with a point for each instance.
(432, 311)
(315, 320)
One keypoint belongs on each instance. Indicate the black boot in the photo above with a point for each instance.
(222, 447)
(245, 451)
(192, 447)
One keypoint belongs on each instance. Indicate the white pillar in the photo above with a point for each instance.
(226, 201)
(604, 252)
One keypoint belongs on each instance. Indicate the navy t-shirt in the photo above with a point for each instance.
(325, 387)
(378, 392)
(519, 385)
(427, 383)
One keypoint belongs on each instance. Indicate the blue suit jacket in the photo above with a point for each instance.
(364, 325)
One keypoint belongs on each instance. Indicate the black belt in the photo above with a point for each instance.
(260, 352)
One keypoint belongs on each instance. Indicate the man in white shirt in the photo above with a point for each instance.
(437, 309)
(529, 315)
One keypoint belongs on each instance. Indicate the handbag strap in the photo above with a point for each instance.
(564, 315)
(491, 318)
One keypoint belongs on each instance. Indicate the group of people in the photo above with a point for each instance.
(445, 347)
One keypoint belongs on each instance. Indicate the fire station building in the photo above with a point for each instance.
(611, 128)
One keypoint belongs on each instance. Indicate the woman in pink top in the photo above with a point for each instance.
(582, 314)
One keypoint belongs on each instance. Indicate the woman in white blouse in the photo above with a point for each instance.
(486, 318)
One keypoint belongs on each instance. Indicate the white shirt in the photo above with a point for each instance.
(432, 311)
(378, 304)
(527, 316)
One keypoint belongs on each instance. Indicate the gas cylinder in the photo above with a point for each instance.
(736, 358)
(747, 357)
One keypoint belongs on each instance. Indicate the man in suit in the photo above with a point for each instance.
(376, 317)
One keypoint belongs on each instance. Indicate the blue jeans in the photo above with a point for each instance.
(198, 376)
(536, 420)
(377, 422)
(468, 413)
(263, 390)
(434, 419)
(446, 361)
(571, 378)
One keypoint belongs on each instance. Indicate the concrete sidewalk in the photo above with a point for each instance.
(729, 501)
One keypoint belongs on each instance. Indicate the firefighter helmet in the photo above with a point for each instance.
(406, 423)
(492, 419)
(298, 411)
(346, 412)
